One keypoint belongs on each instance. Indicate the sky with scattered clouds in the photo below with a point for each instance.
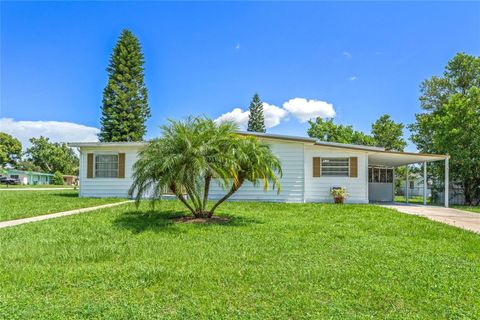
(350, 61)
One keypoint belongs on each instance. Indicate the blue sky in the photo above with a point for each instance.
(365, 59)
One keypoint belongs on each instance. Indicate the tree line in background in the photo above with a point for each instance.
(41, 156)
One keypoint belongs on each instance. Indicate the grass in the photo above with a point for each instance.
(23, 204)
(419, 200)
(467, 208)
(23, 186)
(412, 199)
(272, 261)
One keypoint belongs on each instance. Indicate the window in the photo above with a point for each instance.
(380, 175)
(14, 176)
(106, 166)
(335, 167)
(412, 185)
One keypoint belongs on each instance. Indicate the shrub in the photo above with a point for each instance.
(57, 178)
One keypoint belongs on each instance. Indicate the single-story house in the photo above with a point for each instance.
(310, 169)
(415, 187)
(29, 177)
(69, 179)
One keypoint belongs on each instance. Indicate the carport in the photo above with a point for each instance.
(392, 159)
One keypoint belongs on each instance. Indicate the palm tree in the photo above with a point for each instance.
(192, 153)
(255, 163)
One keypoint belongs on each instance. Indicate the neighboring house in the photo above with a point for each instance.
(310, 169)
(415, 187)
(28, 177)
(69, 179)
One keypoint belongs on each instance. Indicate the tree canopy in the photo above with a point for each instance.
(385, 133)
(125, 101)
(10, 149)
(256, 120)
(327, 130)
(388, 134)
(192, 153)
(52, 156)
(450, 123)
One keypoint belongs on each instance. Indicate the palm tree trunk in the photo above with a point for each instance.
(233, 189)
(194, 198)
(181, 198)
(208, 179)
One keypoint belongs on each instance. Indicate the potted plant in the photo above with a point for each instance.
(339, 194)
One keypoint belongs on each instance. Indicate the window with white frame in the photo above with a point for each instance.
(335, 167)
(106, 166)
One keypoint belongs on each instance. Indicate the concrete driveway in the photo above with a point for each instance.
(458, 218)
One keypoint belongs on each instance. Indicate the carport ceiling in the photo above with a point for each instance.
(396, 159)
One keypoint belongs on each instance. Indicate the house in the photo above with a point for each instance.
(28, 177)
(69, 179)
(310, 169)
(415, 186)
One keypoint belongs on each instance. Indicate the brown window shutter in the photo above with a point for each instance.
(353, 167)
(89, 165)
(121, 165)
(316, 166)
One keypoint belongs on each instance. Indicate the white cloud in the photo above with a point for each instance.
(237, 46)
(57, 131)
(347, 54)
(237, 115)
(352, 78)
(300, 108)
(273, 116)
(305, 110)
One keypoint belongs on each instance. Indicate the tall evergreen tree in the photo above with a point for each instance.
(256, 120)
(125, 103)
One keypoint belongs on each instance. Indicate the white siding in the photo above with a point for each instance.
(107, 187)
(291, 158)
(317, 189)
(297, 183)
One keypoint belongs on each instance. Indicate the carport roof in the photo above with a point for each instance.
(396, 159)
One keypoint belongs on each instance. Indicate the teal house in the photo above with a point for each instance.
(28, 177)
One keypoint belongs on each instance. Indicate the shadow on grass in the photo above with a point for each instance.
(66, 194)
(165, 220)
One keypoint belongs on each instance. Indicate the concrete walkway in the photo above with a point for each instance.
(454, 217)
(33, 189)
(11, 223)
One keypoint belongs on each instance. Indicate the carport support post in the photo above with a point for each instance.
(446, 182)
(425, 183)
(406, 183)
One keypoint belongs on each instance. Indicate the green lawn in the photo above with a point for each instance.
(419, 200)
(468, 208)
(272, 261)
(23, 186)
(412, 199)
(22, 204)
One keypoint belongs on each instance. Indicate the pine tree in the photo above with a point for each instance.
(256, 120)
(125, 103)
